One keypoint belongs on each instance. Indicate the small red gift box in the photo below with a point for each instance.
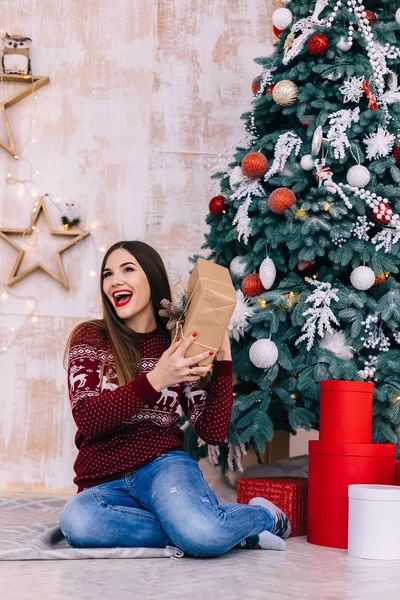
(288, 493)
(397, 473)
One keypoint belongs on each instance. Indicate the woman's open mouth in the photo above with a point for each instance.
(122, 298)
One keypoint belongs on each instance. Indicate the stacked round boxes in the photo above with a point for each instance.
(344, 455)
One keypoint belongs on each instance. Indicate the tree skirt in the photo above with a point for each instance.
(25, 534)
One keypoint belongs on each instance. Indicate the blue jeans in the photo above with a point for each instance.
(164, 503)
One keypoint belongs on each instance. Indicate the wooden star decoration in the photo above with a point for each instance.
(34, 83)
(74, 238)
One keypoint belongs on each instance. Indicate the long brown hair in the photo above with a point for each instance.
(124, 341)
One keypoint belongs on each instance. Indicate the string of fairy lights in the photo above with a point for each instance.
(27, 187)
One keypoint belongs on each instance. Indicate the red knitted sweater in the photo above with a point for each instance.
(122, 428)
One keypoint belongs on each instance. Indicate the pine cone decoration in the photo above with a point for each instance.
(174, 311)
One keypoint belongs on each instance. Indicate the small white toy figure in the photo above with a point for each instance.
(16, 56)
(69, 216)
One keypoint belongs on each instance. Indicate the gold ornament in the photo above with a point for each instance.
(289, 41)
(73, 237)
(34, 82)
(285, 92)
(301, 213)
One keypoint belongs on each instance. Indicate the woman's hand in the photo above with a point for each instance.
(173, 368)
(224, 351)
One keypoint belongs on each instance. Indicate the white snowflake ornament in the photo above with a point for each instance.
(263, 354)
(362, 278)
(352, 89)
(267, 273)
(379, 144)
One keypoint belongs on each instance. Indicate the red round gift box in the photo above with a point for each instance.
(397, 475)
(346, 411)
(332, 468)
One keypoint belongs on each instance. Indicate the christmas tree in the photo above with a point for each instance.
(308, 223)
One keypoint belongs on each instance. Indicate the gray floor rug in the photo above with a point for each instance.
(29, 530)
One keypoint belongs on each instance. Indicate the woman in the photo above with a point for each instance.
(136, 486)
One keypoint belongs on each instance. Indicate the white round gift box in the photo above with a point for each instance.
(374, 521)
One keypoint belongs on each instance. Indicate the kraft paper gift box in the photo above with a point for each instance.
(212, 300)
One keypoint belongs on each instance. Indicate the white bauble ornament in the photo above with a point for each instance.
(267, 273)
(282, 18)
(358, 176)
(263, 354)
(236, 176)
(239, 267)
(398, 16)
(307, 162)
(343, 45)
(316, 141)
(362, 278)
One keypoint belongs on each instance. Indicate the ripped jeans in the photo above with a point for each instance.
(164, 503)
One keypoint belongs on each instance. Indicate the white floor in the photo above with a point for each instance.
(303, 571)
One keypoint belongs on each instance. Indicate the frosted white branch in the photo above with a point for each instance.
(320, 314)
(307, 28)
(286, 144)
(248, 187)
(340, 121)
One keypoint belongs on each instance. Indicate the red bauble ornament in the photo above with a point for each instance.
(380, 279)
(280, 200)
(371, 16)
(318, 44)
(307, 267)
(396, 155)
(308, 120)
(277, 31)
(217, 205)
(252, 286)
(255, 86)
(382, 213)
(254, 165)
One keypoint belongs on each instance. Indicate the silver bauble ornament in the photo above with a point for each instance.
(316, 141)
(307, 162)
(238, 267)
(236, 176)
(285, 92)
(362, 278)
(343, 45)
(263, 354)
(282, 18)
(267, 273)
(398, 16)
(358, 176)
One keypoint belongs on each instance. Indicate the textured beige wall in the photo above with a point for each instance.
(143, 94)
